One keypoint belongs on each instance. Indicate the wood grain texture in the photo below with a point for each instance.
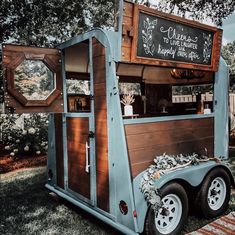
(13, 56)
(77, 136)
(59, 150)
(147, 140)
(126, 27)
(101, 135)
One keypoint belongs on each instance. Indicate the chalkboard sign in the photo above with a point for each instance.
(167, 40)
(164, 39)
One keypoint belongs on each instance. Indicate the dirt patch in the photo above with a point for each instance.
(8, 163)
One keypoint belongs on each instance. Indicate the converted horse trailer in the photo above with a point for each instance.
(124, 142)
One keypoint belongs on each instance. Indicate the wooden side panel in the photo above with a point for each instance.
(127, 30)
(147, 140)
(101, 135)
(77, 136)
(59, 149)
(13, 56)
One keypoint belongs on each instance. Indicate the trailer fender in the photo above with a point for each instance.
(193, 175)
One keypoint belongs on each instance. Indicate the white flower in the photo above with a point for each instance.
(24, 132)
(26, 148)
(12, 154)
(9, 137)
(38, 152)
(32, 131)
(7, 147)
(15, 150)
(18, 141)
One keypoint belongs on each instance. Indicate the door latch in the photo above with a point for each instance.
(91, 134)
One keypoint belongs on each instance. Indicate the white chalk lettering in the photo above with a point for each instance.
(182, 54)
(193, 56)
(189, 45)
(166, 52)
(175, 43)
(172, 34)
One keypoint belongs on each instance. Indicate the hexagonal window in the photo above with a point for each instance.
(34, 80)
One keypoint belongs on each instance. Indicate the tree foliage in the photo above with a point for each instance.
(215, 10)
(46, 23)
(228, 53)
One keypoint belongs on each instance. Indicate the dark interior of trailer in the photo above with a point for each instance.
(78, 77)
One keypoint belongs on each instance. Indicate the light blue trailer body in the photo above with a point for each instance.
(122, 186)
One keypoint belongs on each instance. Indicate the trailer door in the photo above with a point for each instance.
(79, 144)
(32, 79)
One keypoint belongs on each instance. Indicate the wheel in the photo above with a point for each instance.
(214, 195)
(171, 217)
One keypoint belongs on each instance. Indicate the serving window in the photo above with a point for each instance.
(156, 92)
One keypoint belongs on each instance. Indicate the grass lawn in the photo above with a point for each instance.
(26, 208)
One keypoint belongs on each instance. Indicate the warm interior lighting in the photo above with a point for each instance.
(186, 74)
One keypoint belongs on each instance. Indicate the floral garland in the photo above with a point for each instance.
(163, 165)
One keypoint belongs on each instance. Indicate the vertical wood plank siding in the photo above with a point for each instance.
(128, 12)
(59, 149)
(77, 136)
(101, 136)
(147, 140)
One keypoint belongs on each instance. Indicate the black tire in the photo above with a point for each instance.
(170, 189)
(208, 204)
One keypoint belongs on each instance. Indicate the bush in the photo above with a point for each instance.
(26, 138)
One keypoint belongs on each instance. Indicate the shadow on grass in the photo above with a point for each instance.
(27, 208)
